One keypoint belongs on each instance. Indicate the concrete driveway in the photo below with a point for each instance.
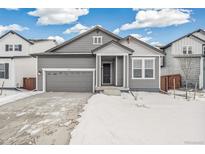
(46, 118)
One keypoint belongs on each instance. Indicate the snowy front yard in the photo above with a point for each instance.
(153, 119)
(8, 96)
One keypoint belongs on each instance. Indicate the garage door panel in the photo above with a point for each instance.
(69, 81)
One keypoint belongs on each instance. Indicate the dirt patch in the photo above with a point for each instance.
(46, 118)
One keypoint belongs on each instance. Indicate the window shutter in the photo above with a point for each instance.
(6, 70)
(7, 47)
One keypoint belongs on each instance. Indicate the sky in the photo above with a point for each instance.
(154, 26)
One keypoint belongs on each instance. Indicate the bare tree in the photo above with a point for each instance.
(186, 67)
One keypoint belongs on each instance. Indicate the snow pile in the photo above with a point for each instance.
(13, 95)
(119, 120)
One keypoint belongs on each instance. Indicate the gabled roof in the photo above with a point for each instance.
(112, 42)
(13, 32)
(143, 43)
(83, 34)
(187, 35)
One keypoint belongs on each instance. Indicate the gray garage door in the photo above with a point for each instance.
(57, 81)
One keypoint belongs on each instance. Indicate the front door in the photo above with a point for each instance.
(106, 73)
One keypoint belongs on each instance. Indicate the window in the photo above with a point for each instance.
(204, 50)
(190, 50)
(9, 47)
(18, 47)
(143, 68)
(137, 68)
(149, 70)
(97, 40)
(4, 71)
(187, 50)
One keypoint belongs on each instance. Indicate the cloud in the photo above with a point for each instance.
(116, 31)
(78, 28)
(57, 38)
(156, 43)
(14, 27)
(148, 18)
(149, 32)
(15, 9)
(57, 16)
(142, 38)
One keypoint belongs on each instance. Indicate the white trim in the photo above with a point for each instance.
(100, 68)
(71, 53)
(116, 70)
(96, 73)
(201, 76)
(97, 40)
(127, 71)
(203, 50)
(107, 62)
(159, 72)
(36, 72)
(143, 68)
(124, 71)
(68, 69)
(112, 54)
(146, 55)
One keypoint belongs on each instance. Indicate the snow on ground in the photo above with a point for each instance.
(13, 95)
(153, 118)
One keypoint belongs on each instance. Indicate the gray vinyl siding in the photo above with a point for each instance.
(120, 71)
(144, 84)
(85, 43)
(173, 66)
(64, 62)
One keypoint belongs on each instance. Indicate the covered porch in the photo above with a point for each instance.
(112, 66)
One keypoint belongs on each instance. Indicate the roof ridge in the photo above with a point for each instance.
(187, 35)
(83, 34)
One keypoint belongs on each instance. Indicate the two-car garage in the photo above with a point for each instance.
(68, 80)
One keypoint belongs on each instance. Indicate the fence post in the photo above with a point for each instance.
(195, 90)
(174, 86)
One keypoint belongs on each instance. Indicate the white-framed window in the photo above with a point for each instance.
(187, 50)
(97, 40)
(9, 47)
(18, 47)
(143, 68)
(2, 71)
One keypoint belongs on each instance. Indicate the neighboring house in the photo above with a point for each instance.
(99, 58)
(192, 47)
(15, 60)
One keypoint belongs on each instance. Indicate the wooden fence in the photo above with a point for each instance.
(29, 83)
(167, 82)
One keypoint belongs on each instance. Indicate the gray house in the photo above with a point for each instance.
(191, 49)
(97, 59)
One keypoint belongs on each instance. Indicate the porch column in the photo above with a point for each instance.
(127, 72)
(99, 70)
(201, 76)
(96, 71)
(116, 71)
(124, 71)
